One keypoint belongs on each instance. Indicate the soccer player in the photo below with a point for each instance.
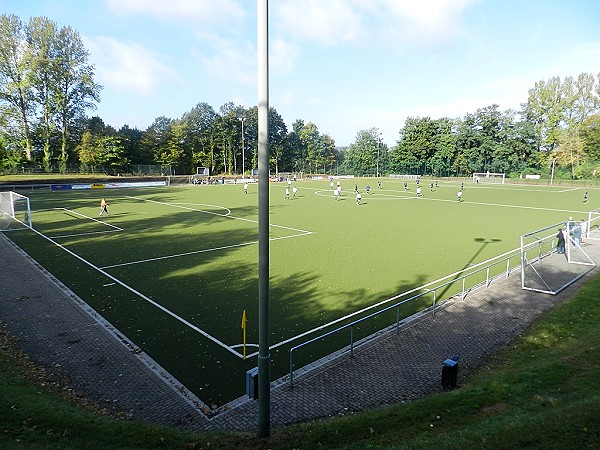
(406, 185)
(331, 185)
(358, 198)
(368, 189)
(336, 194)
(585, 196)
(459, 196)
(103, 207)
(378, 184)
(431, 187)
(245, 188)
(287, 193)
(419, 192)
(294, 190)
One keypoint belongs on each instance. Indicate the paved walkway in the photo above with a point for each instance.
(65, 336)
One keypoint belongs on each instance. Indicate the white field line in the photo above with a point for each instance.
(142, 296)
(91, 218)
(372, 196)
(538, 208)
(116, 228)
(195, 252)
(174, 205)
(206, 204)
(84, 234)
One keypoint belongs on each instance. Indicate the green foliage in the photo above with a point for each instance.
(47, 87)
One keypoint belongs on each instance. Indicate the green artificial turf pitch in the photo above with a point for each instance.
(174, 268)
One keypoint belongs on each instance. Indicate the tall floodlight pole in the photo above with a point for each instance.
(243, 153)
(378, 145)
(264, 358)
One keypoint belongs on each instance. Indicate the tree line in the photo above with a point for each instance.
(48, 92)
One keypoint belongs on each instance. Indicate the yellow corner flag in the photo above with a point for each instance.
(244, 320)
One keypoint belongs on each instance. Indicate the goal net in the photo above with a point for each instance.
(15, 211)
(592, 230)
(547, 264)
(488, 177)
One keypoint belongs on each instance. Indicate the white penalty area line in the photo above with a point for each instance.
(142, 296)
(61, 236)
(206, 250)
(228, 216)
(114, 227)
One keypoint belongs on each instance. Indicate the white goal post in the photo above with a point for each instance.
(489, 177)
(549, 268)
(593, 225)
(15, 210)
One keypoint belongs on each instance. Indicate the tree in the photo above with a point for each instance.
(199, 123)
(569, 152)
(131, 139)
(15, 92)
(41, 40)
(173, 151)
(555, 105)
(590, 136)
(76, 90)
(277, 137)
(362, 154)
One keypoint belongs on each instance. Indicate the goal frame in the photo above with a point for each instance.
(486, 177)
(541, 254)
(593, 221)
(7, 207)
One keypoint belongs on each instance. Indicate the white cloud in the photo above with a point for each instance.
(204, 11)
(282, 56)
(388, 22)
(327, 23)
(230, 60)
(127, 67)
(427, 20)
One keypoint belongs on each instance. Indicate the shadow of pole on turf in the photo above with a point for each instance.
(484, 243)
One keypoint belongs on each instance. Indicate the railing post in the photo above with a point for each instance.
(507, 267)
(434, 300)
(463, 288)
(487, 277)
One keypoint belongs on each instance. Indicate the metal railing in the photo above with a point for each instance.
(429, 288)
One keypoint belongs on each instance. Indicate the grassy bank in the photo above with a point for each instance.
(540, 392)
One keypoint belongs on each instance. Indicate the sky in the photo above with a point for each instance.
(345, 65)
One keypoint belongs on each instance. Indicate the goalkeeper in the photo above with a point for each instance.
(103, 207)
